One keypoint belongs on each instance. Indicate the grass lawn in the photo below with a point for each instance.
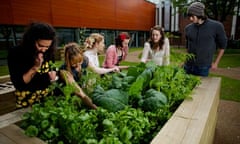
(230, 60)
(3, 70)
(229, 89)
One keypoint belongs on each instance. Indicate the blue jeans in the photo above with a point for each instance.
(197, 70)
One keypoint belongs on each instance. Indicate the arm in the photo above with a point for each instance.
(20, 73)
(123, 67)
(28, 76)
(145, 52)
(102, 70)
(110, 57)
(67, 77)
(125, 49)
(166, 59)
(221, 40)
(219, 56)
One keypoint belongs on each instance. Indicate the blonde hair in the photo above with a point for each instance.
(92, 40)
(72, 54)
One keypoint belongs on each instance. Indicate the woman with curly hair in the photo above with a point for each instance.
(29, 64)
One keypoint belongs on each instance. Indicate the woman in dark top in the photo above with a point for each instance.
(29, 64)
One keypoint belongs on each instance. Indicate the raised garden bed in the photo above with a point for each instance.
(7, 98)
(194, 120)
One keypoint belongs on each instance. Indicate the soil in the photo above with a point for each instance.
(228, 123)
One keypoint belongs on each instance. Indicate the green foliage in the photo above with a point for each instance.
(142, 79)
(171, 35)
(53, 66)
(120, 118)
(63, 119)
(113, 99)
(82, 37)
(3, 54)
(174, 83)
(215, 9)
(4, 70)
(179, 56)
(153, 100)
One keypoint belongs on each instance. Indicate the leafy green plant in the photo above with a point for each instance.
(63, 118)
(178, 57)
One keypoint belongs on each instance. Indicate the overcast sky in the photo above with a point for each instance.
(154, 1)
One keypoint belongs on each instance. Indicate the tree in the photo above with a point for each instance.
(215, 9)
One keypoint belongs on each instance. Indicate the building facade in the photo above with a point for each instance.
(76, 19)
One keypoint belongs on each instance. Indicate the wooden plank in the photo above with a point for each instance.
(209, 131)
(200, 131)
(4, 89)
(13, 117)
(5, 140)
(194, 121)
(16, 135)
(4, 78)
(7, 96)
(7, 103)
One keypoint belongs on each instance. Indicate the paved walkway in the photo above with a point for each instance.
(233, 73)
(228, 123)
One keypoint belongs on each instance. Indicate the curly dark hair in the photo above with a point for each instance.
(39, 31)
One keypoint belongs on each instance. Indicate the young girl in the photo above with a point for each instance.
(75, 61)
(118, 52)
(157, 48)
(71, 69)
(94, 44)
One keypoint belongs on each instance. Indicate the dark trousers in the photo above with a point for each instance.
(197, 70)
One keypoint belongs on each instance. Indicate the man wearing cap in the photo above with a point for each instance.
(203, 37)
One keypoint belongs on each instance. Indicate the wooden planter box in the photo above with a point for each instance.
(4, 78)
(193, 122)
